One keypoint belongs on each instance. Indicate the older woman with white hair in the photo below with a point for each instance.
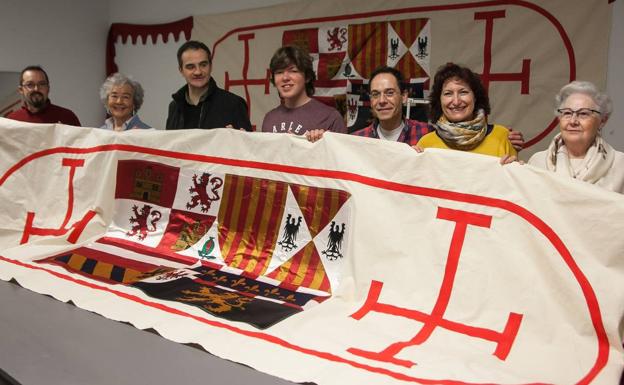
(122, 97)
(579, 151)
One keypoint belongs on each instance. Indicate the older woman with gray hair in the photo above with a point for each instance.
(122, 97)
(579, 151)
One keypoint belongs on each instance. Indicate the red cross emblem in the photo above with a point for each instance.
(503, 340)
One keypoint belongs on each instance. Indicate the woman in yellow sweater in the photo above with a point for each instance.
(459, 107)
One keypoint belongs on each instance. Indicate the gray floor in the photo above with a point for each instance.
(44, 341)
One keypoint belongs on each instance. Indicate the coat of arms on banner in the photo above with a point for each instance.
(243, 248)
(346, 55)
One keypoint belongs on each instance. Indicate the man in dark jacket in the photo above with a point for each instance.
(201, 103)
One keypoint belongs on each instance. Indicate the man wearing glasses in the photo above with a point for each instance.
(387, 96)
(36, 108)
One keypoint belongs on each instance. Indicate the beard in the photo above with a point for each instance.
(36, 100)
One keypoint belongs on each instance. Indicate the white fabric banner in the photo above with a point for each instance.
(350, 260)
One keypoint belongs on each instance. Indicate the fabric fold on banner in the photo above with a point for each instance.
(346, 260)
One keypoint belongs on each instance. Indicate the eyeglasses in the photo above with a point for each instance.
(581, 113)
(31, 86)
(388, 93)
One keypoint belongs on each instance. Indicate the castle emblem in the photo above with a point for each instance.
(147, 185)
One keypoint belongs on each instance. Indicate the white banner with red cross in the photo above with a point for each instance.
(350, 260)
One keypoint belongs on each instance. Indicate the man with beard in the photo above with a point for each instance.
(34, 88)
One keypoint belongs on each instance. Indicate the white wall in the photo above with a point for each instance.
(164, 11)
(8, 80)
(67, 38)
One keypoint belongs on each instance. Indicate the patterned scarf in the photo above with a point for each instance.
(597, 162)
(465, 135)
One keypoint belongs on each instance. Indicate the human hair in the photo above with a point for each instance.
(195, 45)
(33, 68)
(293, 55)
(450, 71)
(388, 70)
(602, 100)
(119, 79)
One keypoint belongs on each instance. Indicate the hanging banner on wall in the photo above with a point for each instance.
(348, 260)
(522, 67)
(525, 52)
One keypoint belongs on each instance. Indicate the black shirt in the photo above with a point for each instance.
(216, 108)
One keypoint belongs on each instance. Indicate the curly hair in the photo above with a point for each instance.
(449, 71)
(602, 100)
(293, 55)
(119, 79)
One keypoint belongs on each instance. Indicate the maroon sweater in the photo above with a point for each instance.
(49, 114)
